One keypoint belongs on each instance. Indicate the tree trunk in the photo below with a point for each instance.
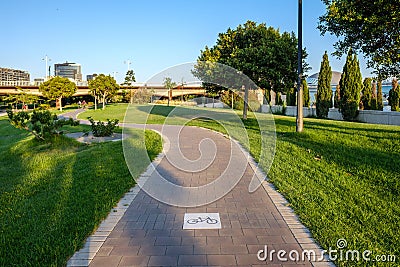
(104, 102)
(95, 102)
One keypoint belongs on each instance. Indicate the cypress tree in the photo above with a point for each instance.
(366, 97)
(291, 97)
(324, 91)
(374, 101)
(337, 97)
(394, 96)
(350, 87)
(306, 93)
(379, 96)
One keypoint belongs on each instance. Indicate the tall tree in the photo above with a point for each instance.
(169, 84)
(379, 96)
(306, 93)
(266, 56)
(57, 88)
(367, 94)
(324, 91)
(291, 97)
(350, 87)
(394, 96)
(103, 87)
(129, 78)
(371, 27)
(337, 97)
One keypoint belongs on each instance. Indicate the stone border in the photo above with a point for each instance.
(94, 242)
(300, 232)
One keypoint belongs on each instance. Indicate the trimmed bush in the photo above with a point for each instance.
(101, 129)
(324, 91)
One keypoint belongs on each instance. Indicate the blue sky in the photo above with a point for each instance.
(153, 34)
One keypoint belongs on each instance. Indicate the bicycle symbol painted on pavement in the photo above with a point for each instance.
(208, 220)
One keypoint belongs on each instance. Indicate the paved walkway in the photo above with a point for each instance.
(149, 232)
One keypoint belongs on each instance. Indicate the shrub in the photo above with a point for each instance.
(324, 91)
(101, 129)
(394, 96)
(291, 97)
(350, 88)
(367, 93)
(41, 123)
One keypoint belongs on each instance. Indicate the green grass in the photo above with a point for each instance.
(53, 195)
(341, 178)
(112, 111)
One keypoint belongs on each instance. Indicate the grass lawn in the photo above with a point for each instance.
(341, 178)
(54, 195)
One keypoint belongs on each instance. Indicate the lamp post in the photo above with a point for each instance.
(299, 119)
(128, 62)
(46, 59)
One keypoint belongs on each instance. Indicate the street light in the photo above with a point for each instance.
(128, 62)
(46, 59)
(299, 118)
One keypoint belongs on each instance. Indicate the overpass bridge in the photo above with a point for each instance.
(158, 90)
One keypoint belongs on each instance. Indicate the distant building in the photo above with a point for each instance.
(14, 77)
(38, 81)
(90, 77)
(68, 70)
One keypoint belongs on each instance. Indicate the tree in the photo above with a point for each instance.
(306, 93)
(324, 91)
(394, 96)
(57, 88)
(41, 123)
(374, 100)
(266, 56)
(371, 27)
(337, 97)
(291, 97)
(367, 94)
(350, 87)
(103, 87)
(129, 78)
(169, 84)
(379, 97)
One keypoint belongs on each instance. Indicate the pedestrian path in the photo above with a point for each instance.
(143, 231)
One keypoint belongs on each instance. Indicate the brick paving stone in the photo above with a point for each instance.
(150, 233)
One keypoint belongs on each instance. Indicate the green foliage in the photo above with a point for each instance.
(41, 123)
(367, 94)
(103, 87)
(350, 88)
(369, 26)
(169, 85)
(141, 96)
(101, 129)
(54, 195)
(266, 56)
(57, 88)
(306, 93)
(324, 91)
(337, 97)
(379, 96)
(291, 96)
(394, 96)
(129, 78)
(278, 99)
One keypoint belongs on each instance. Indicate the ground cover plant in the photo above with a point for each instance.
(54, 193)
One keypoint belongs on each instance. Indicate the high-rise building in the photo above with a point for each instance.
(90, 77)
(17, 77)
(68, 70)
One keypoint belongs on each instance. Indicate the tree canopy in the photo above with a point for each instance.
(57, 88)
(324, 91)
(103, 87)
(266, 56)
(371, 27)
(129, 78)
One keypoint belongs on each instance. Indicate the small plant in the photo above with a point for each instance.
(101, 129)
(41, 123)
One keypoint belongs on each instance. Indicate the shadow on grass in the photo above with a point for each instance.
(53, 196)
